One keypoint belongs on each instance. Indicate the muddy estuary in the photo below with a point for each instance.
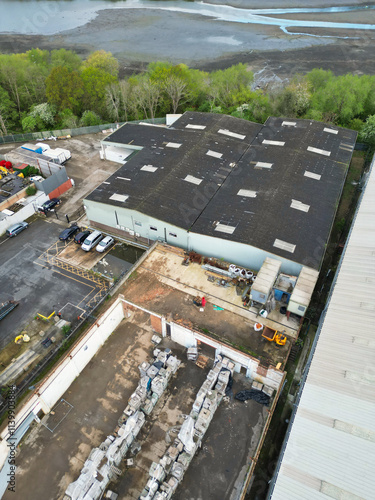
(276, 41)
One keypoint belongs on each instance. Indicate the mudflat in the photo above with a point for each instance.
(139, 36)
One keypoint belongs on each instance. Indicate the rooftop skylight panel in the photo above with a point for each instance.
(196, 127)
(123, 178)
(224, 228)
(330, 130)
(284, 245)
(247, 192)
(319, 151)
(214, 154)
(317, 177)
(289, 124)
(193, 180)
(298, 205)
(261, 164)
(149, 168)
(231, 134)
(273, 143)
(119, 197)
(175, 145)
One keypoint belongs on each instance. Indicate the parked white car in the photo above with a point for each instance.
(34, 178)
(105, 244)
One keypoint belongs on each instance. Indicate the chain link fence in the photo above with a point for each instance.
(46, 134)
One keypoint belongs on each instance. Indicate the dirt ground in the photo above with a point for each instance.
(50, 458)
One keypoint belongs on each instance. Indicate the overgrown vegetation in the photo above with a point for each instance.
(42, 90)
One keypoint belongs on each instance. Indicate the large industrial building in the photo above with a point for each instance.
(329, 452)
(226, 187)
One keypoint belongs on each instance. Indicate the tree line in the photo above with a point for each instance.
(50, 90)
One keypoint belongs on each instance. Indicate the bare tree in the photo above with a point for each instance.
(113, 100)
(127, 104)
(176, 90)
(147, 95)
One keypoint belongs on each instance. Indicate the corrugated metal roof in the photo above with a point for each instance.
(330, 452)
(305, 286)
(267, 276)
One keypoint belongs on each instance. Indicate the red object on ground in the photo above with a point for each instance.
(2, 163)
(8, 164)
(203, 301)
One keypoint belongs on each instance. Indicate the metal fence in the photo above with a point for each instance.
(47, 134)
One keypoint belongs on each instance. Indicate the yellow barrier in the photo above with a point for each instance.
(44, 317)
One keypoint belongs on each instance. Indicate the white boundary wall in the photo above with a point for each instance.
(51, 390)
(24, 213)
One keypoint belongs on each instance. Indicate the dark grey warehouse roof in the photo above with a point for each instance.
(273, 186)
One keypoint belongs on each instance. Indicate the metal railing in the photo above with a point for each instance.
(46, 134)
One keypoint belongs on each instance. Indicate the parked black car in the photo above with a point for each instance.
(68, 233)
(50, 204)
(80, 237)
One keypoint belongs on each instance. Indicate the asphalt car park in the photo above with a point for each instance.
(31, 274)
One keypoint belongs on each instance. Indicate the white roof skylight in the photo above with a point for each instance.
(298, 205)
(231, 134)
(261, 164)
(319, 151)
(247, 193)
(214, 154)
(284, 245)
(119, 197)
(289, 124)
(196, 127)
(193, 180)
(224, 228)
(173, 145)
(317, 177)
(149, 168)
(330, 130)
(273, 143)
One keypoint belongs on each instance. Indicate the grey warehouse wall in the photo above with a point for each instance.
(231, 251)
(52, 182)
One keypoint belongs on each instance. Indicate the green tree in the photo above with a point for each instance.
(230, 87)
(40, 117)
(65, 89)
(102, 61)
(66, 59)
(95, 82)
(367, 133)
(8, 113)
(90, 118)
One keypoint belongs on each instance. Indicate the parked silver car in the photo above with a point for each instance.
(16, 228)
(105, 244)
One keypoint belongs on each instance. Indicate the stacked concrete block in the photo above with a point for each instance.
(258, 386)
(192, 353)
(143, 367)
(174, 363)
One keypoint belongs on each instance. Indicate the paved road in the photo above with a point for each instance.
(37, 284)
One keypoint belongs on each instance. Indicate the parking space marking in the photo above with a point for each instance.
(4, 240)
(73, 305)
(97, 284)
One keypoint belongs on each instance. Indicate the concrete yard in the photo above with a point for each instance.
(48, 461)
(29, 275)
(156, 290)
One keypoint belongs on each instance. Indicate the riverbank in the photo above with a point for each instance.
(139, 36)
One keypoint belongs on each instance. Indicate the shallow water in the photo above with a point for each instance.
(48, 17)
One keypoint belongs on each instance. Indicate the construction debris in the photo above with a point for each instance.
(166, 475)
(102, 464)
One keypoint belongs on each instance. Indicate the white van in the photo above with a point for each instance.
(92, 240)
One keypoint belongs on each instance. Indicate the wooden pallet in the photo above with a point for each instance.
(202, 361)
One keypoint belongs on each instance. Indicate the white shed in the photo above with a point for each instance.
(265, 280)
(301, 296)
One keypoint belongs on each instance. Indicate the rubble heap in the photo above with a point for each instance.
(165, 476)
(102, 464)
